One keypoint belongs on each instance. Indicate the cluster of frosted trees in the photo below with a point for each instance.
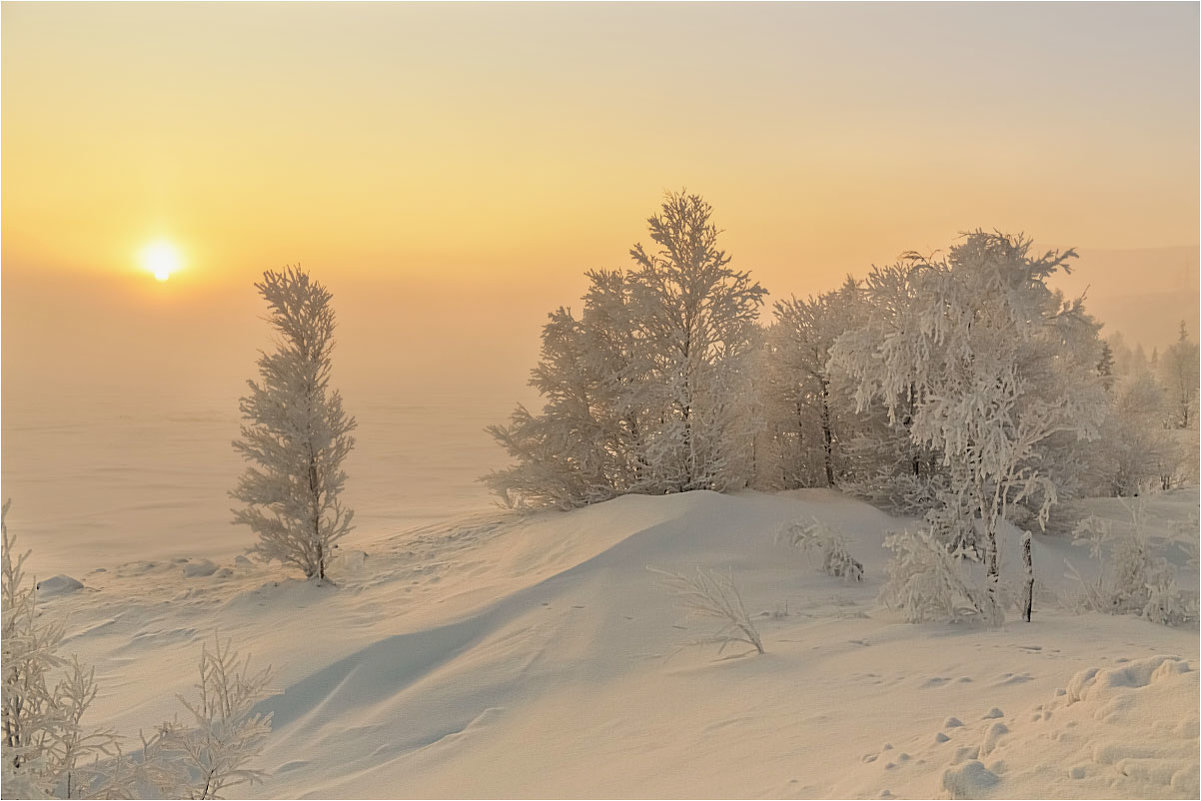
(963, 388)
(646, 391)
(1149, 438)
(924, 382)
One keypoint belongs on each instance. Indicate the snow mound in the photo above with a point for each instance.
(58, 585)
(199, 568)
(1096, 682)
(969, 780)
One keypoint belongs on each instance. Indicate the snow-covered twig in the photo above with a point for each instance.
(816, 539)
(210, 755)
(1132, 579)
(925, 583)
(710, 594)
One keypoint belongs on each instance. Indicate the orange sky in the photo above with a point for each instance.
(429, 160)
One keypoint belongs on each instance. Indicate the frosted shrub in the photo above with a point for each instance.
(819, 541)
(1133, 581)
(45, 751)
(928, 585)
(44, 696)
(201, 759)
(710, 594)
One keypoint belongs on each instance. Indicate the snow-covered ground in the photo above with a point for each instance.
(500, 655)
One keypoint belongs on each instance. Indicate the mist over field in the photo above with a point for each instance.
(118, 408)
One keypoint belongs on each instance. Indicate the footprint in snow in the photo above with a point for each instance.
(1013, 678)
(875, 756)
(964, 753)
(995, 732)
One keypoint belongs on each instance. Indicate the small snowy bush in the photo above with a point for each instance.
(927, 584)
(710, 594)
(201, 759)
(45, 751)
(819, 541)
(44, 696)
(1133, 581)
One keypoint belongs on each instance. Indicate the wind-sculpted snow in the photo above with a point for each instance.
(533, 655)
(1113, 732)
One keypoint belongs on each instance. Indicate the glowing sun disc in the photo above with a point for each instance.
(161, 258)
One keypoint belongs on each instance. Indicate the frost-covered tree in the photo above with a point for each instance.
(801, 338)
(590, 441)
(779, 448)
(1134, 452)
(1148, 437)
(696, 316)
(985, 354)
(883, 462)
(1181, 372)
(1105, 365)
(648, 389)
(295, 434)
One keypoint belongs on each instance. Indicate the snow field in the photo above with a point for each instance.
(501, 655)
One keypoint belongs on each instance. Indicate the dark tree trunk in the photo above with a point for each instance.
(1027, 559)
(827, 433)
(994, 573)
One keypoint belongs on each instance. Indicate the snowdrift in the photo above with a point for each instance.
(535, 656)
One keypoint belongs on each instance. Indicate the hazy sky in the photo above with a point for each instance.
(464, 163)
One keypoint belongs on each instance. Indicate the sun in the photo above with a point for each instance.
(161, 258)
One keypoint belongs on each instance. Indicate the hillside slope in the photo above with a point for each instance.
(535, 656)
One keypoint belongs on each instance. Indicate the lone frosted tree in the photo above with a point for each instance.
(295, 434)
